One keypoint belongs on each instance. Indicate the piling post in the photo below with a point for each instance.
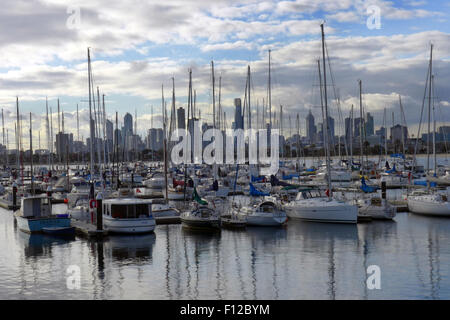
(14, 195)
(99, 212)
(49, 197)
(383, 190)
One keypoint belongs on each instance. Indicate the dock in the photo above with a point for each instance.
(9, 205)
(88, 230)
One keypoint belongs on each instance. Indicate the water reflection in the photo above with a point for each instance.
(41, 245)
(130, 248)
(302, 260)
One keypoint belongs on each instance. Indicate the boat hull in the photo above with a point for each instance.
(335, 214)
(264, 221)
(36, 225)
(429, 208)
(129, 226)
(200, 224)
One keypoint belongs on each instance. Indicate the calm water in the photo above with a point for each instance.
(300, 261)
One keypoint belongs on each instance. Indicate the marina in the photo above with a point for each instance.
(302, 260)
(277, 150)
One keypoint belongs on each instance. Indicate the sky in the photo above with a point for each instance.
(138, 46)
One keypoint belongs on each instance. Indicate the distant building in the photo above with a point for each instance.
(181, 117)
(311, 129)
(109, 135)
(63, 144)
(381, 132)
(348, 129)
(155, 139)
(357, 127)
(127, 129)
(400, 133)
(238, 116)
(369, 125)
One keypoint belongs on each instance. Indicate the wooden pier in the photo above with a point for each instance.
(88, 230)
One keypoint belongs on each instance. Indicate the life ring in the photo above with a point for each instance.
(93, 204)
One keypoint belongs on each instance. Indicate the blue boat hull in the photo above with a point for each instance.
(59, 231)
(32, 225)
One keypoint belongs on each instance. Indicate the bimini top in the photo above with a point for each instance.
(127, 201)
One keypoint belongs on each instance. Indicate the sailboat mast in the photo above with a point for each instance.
(361, 123)
(213, 94)
(165, 138)
(248, 95)
(385, 135)
(326, 112)
(31, 158)
(434, 128)
(91, 127)
(3, 135)
(429, 108)
(270, 97)
(78, 133)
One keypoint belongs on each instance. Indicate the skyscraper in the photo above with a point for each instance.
(310, 127)
(238, 117)
(331, 129)
(127, 124)
(348, 129)
(181, 118)
(109, 134)
(369, 125)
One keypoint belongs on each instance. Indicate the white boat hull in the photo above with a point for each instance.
(429, 208)
(333, 213)
(268, 221)
(144, 225)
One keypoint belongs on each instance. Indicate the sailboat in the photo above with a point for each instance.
(200, 216)
(430, 203)
(322, 209)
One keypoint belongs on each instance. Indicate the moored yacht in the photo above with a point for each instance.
(321, 209)
(433, 204)
(201, 218)
(265, 212)
(128, 215)
(35, 215)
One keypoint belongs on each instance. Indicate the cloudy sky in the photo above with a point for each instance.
(137, 46)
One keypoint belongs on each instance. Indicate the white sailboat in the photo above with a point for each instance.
(430, 203)
(322, 209)
(266, 213)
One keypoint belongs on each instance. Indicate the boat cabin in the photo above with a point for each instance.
(127, 208)
(35, 207)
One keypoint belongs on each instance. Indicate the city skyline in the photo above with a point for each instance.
(390, 61)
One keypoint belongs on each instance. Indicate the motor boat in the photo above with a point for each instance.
(35, 215)
(128, 215)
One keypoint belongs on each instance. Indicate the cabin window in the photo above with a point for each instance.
(142, 210)
(119, 211)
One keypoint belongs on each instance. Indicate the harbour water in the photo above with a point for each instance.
(299, 261)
